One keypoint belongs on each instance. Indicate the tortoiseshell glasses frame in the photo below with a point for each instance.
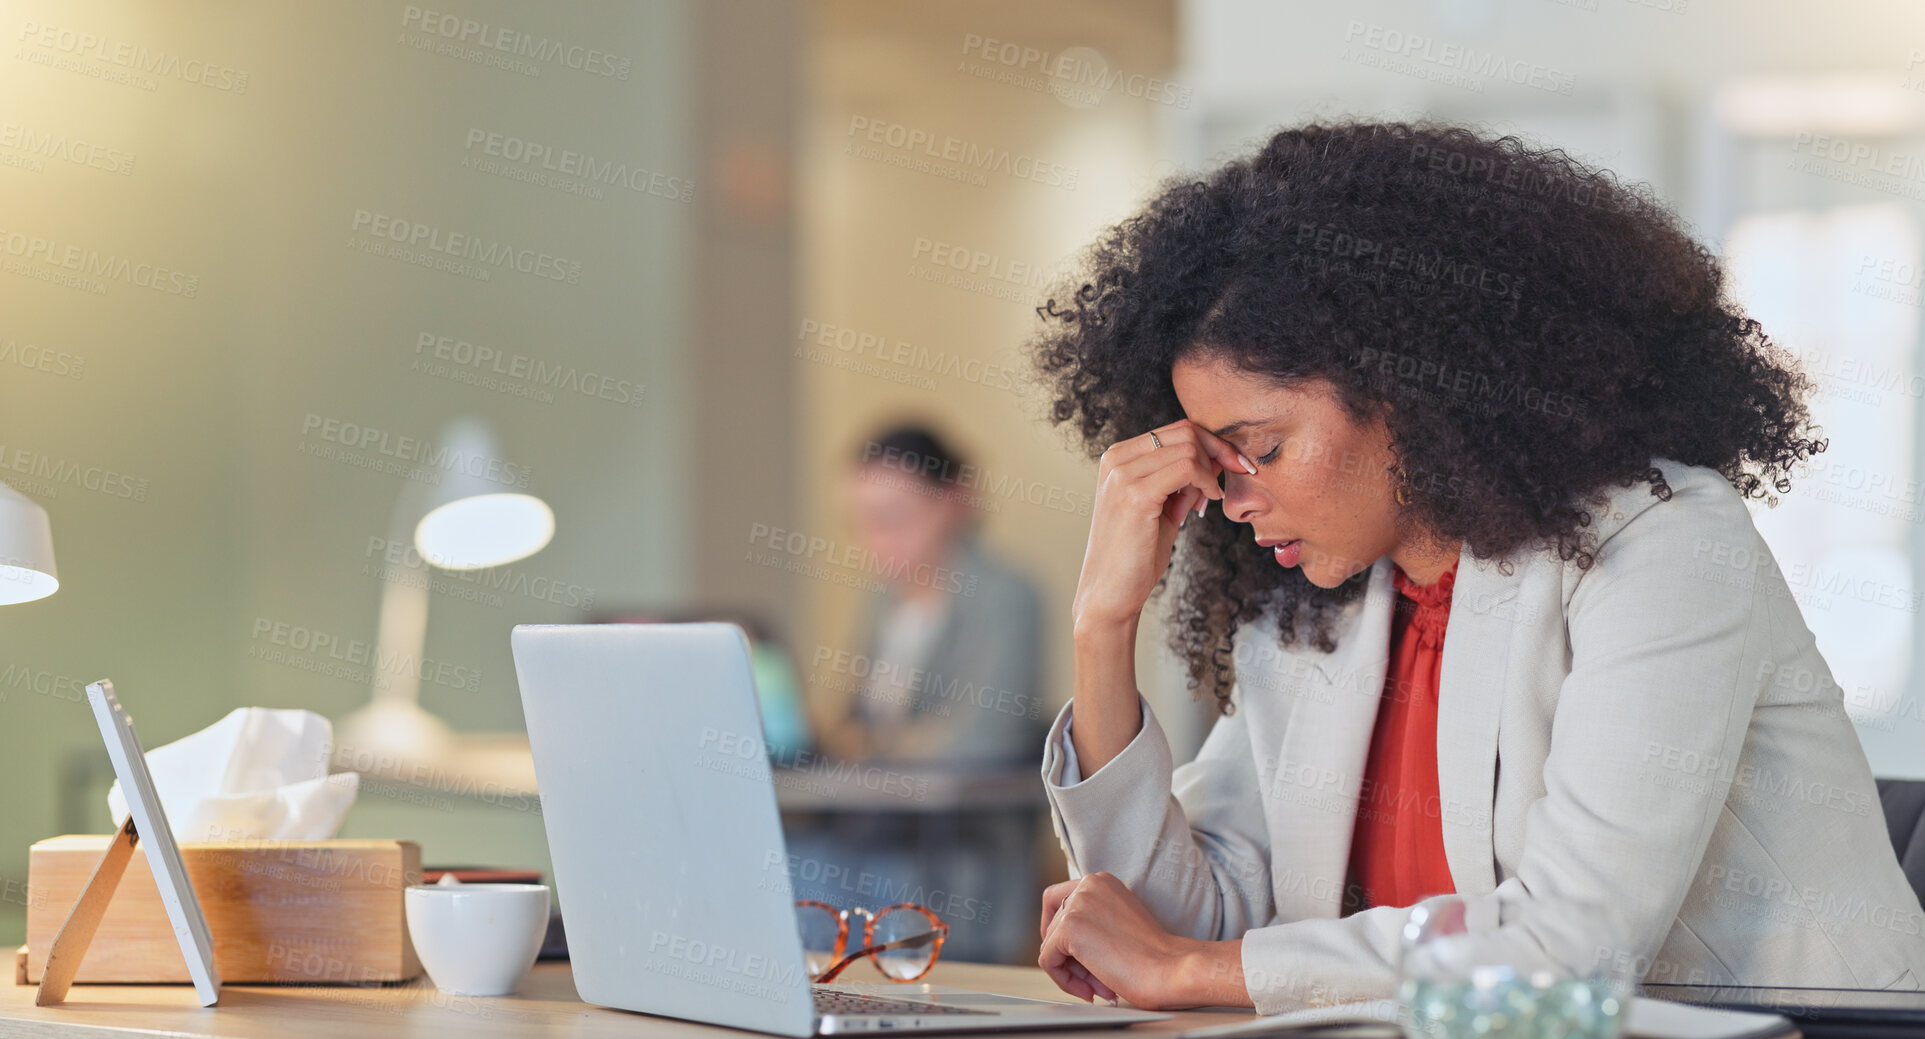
(841, 958)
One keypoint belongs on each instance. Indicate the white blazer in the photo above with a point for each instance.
(1644, 766)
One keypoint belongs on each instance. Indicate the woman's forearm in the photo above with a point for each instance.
(1106, 713)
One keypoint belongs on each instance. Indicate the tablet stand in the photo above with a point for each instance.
(63, 959)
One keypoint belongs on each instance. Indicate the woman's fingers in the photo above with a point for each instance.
(1132, 448)
(1094, 982)
(1182, 433)
(1083, 975)
(1053, 897)
(1162, 476)
(1142, 494)
(1180, 507)
(1074, 985)
(1217, 448)
(1070, 975)
(1057, 964)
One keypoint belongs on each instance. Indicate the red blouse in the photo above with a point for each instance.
(1397, 847)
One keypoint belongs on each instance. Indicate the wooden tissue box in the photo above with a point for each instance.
(279, 911)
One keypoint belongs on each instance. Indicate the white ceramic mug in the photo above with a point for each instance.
(477, 939)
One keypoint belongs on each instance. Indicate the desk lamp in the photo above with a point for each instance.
(467, 522)
(26, 549)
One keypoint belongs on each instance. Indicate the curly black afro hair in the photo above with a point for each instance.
(1539, 330)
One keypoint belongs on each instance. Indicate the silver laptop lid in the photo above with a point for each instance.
(669, 863)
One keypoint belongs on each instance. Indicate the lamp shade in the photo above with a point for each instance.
(473, 521)
(484, 530)
(26, 549)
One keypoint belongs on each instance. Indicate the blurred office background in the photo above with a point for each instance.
(261, 266)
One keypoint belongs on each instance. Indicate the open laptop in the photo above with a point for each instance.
(669, 861)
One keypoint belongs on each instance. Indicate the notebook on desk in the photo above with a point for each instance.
(668, 854)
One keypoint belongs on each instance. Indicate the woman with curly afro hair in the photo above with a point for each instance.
(1481, 603)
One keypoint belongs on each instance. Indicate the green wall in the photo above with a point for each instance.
(198, 527)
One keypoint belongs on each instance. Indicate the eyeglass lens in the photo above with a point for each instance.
(917, 938)
(819, 929)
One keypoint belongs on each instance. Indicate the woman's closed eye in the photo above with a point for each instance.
(1272, 456)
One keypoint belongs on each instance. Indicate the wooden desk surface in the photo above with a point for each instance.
(546, 1005)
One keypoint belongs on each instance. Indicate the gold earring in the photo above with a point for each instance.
(1403, 485)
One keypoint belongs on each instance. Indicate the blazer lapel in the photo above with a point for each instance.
(1477, 650)
(1316, 779)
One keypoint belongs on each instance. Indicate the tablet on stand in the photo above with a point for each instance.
(146, 824)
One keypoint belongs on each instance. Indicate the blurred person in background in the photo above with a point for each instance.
(942, 678)
(951, 652)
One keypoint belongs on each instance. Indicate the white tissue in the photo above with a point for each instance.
(257, 774)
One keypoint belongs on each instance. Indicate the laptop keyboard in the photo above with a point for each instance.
(836, 1001)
